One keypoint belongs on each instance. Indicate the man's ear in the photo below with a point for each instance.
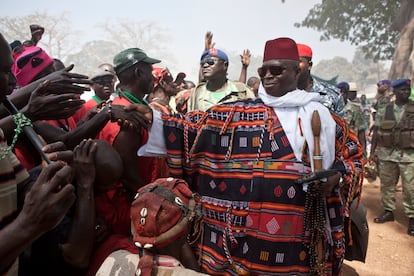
(310, 63)
(137, 72)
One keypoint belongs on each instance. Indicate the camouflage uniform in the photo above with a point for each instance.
(354, 116)
(395, 161)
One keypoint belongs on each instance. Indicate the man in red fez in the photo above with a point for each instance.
(245, 158)
(331, 97)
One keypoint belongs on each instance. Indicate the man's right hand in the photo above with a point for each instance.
(44, 105)
(48, 200)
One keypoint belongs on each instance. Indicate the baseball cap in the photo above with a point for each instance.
(129, 57)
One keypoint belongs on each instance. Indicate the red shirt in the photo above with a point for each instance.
(149, 168)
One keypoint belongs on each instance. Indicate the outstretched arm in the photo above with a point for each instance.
(245, 60)
(77, 250)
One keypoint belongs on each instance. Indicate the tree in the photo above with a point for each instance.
(58, 40)
(384, 29)
(93, 54)
(361, 70)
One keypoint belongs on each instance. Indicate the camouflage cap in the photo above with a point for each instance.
(129, 57)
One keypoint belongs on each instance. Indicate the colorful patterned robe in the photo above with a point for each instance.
(238, 158)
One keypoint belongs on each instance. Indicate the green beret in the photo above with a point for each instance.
(129, 57)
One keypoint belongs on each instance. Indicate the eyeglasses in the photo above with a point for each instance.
(275, 70)
(23, 61)
(208, 60)
(104, 82)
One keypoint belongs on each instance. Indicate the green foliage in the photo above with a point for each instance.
(361, 70)
(365, 23)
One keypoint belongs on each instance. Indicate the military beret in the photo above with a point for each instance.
(213, 52)
(401, 83)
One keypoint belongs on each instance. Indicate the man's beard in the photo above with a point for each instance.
(303, 79)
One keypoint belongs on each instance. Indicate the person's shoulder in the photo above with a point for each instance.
(239, 104)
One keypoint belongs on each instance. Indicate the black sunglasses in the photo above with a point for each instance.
(208, 60)
(275, 70)
(104, 81)
(23, 61)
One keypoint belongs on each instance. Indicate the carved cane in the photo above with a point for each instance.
(317, 166)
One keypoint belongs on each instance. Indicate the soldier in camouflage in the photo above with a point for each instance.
(395, 140)
(353, 113)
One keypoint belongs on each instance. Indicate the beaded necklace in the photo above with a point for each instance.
(21, 121)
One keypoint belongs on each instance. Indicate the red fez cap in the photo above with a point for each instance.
(281, 48)
(304, 50)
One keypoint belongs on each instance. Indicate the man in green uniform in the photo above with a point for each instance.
(395, 140)
(353, 113)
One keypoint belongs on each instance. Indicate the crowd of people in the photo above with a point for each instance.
(160, 175)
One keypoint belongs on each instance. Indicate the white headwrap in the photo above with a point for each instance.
(294, 111)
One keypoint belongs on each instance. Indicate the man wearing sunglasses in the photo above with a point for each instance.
(215, 88)
(330, 96)
(394, 142)
(243, 157)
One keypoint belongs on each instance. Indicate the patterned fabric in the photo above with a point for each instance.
(331, 97)
(11, 173)
(238, 158)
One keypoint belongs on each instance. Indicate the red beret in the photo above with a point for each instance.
(281, 48)
(304, 50)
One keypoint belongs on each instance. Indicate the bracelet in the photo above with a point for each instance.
(21, 121)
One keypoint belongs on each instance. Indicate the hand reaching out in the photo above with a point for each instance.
(245, 58)
(48, 200)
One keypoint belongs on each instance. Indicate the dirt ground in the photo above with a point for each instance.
(390, 248)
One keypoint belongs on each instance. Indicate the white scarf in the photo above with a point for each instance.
(294, 111)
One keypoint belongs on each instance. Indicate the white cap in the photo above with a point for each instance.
(353, 86)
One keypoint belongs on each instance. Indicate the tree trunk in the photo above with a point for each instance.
(401, 66)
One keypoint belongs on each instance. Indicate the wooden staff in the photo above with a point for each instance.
(316, 130)
(28, 131)
(317, 166)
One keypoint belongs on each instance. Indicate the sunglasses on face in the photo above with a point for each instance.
(23, 61)
(208, 60)
(104, 82)
(275, 70)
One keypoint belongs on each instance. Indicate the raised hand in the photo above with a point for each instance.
(48, 200)
(84, 162)
(43, 105)
(245, 57)
(208, 42)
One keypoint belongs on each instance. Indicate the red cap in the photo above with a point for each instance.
(281, 48)
(304, 50)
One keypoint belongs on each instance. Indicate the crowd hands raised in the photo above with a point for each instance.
(144, 151)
